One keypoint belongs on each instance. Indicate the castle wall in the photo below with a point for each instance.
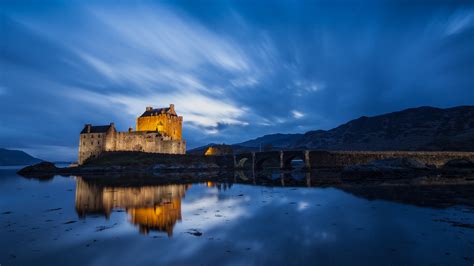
(91, 145)
(145, 142)
(169, 124)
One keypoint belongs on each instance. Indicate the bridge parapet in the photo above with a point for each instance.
(340, 159)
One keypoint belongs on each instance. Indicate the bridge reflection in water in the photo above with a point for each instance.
(149, 207)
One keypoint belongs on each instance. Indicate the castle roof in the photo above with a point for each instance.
(96, 129)
(157, 111)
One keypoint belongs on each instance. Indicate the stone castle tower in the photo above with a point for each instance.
(163, 120)
(157, 131)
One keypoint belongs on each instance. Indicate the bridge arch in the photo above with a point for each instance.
(276, 159)
(244, 160)
(273, 161)
(272, 157)
(290, 156)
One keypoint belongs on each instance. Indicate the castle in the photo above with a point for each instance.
(157, 131)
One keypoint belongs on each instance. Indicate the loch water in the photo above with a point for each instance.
(206, 221)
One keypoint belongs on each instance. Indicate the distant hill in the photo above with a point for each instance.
(15, 157)
(277, 140)
(422, 128)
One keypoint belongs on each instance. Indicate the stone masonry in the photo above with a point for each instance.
(158, 131)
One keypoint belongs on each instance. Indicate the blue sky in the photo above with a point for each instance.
(235, 70)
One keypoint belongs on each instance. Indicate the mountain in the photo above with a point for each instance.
(276, 140)
(422, 128)
(15, 157)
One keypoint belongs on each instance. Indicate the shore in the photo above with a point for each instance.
(405, 171)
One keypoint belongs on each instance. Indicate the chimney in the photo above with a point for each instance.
(88, 126)
(172, 108)
(149, 108)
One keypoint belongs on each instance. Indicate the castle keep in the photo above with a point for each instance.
(157, 131)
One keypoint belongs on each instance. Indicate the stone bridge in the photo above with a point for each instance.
(283, 159)
(339, 159)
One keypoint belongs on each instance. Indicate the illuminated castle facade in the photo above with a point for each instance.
(157, 131)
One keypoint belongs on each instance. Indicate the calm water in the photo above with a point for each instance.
(77, 221)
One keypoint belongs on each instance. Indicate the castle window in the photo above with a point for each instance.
(98, 142)
(159, 128)
(92, 136)
(92, 143)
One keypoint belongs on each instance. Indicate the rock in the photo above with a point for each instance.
(459, 163)
(40, 170)
(194, 232)
(387, 168)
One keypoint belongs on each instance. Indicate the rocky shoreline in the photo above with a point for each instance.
(407, 168)
(383, 170)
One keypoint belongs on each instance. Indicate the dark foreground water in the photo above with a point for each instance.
(76, 221)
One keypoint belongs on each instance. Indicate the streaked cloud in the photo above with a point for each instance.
(297, 114)
(196, 109)
(460, 21)
(238, 73)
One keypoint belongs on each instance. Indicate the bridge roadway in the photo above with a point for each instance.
(339, 159)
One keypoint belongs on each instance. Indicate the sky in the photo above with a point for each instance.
(235, 70)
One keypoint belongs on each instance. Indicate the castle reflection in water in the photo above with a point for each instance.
(157, 207)
(149, 207)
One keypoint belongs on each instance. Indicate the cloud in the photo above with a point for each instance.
(199, 110)
(460, 21)
(170, 53)
(244, 82)
(309, 86)
(233, 76)
(297, 114)
(196, 109)
(175, 38)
